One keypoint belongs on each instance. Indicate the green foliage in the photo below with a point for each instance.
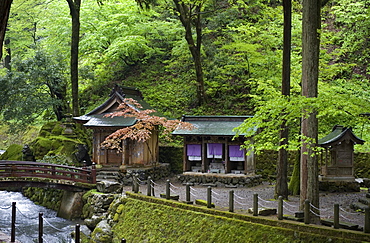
(336, 104)
(241, 56)
(33, 86)
(361, 165)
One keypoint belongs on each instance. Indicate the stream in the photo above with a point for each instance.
(27, 220)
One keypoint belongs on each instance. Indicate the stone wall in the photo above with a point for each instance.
(157, 172)
(219, 180)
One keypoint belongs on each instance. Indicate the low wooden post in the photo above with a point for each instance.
(187, 192)
(149, 186)
(255, 204)
(135, 185)
(231, 201)
(209, 197)
(152, 186)
(12, 234)
(77, 236)
(367, 220)
(41, 228)
(336, 216)
(307, 208)
(280, 208)
(168, 192)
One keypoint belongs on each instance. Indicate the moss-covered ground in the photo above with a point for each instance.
(149, 220)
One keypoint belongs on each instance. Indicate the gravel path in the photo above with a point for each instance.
(243, 198)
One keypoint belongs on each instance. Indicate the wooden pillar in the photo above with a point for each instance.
(227, 160)
(185, 166)
(204, 155)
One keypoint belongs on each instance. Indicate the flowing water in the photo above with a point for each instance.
(55, 229)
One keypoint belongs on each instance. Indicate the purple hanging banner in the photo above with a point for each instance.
(194, 150)
(234, 151)
(215, 149)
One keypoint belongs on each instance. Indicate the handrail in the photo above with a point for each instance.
(46, 170)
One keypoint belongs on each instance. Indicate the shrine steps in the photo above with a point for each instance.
(362, 203)
(108, 173)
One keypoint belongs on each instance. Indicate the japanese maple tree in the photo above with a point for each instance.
(145, 124)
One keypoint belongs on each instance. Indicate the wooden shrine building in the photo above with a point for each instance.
(134, 152)
(337, 159)
(210, 147)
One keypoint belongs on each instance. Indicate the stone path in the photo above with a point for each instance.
(5, 238)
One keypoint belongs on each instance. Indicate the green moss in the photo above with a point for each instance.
(120, 209)
(14, 152)
(203, 203)
(49, 198)
(294, 183)
(99, 236)
(148, 219)
(149, 222)
(58, 129)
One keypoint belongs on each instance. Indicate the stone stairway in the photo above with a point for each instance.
(362, 203)
(108, 173)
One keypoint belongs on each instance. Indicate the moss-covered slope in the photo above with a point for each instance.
(143, 221)
(53, 145)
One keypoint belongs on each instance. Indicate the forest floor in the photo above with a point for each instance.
(243, 199)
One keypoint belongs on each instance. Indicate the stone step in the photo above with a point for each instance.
(106, 177)
(264, 211)
(364, 200)
(108, 168)
(358, 206)
(344, 225)
(108, 173)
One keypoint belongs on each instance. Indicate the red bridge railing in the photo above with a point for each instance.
(45, 170)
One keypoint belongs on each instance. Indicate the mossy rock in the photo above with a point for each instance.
(14, 152)
(58, 129)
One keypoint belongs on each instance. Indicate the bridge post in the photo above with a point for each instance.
(93, 173)
(41, 227)
(77, 236)
(12, 234)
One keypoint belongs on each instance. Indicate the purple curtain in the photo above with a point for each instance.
(234, 151)
(194, 150)
(215, 148)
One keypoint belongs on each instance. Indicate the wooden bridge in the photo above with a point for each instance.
(18, 174)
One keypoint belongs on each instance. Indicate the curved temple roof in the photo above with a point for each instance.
(212, 125)
(97, 118)
(338, 134)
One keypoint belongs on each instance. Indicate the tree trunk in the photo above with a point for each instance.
(311, 20)
(4, 16)
(8, 56)
(281, 188)
(74, 7)
(186, 16)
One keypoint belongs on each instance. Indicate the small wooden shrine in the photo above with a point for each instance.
(337, 159)
(211, 148)
(134, 153)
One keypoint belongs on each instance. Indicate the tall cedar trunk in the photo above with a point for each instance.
(186, 16)
(311, 23)
(4, 16)
(281, 188)
(74, 7)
